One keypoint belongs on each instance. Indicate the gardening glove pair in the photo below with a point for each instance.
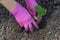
(36, 10)
(23, 17)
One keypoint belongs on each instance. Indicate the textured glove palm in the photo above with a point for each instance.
(31, 4)
(23, 17)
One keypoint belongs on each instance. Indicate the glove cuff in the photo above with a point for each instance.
(15, 10)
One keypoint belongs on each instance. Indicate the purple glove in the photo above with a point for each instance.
(31, 7)
(23, 18)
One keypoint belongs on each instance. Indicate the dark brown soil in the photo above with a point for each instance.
(49, 27)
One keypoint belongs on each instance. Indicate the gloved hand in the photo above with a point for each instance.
(31, 4)
(23, 17)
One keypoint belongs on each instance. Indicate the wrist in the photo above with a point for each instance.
(9, 4)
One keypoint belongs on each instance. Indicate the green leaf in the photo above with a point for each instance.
(40, 10)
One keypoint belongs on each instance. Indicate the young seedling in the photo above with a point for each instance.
(41, 11)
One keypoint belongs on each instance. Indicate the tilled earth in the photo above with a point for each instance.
(49, 27)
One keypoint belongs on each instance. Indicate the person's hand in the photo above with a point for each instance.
(31, 4)
(23, 18)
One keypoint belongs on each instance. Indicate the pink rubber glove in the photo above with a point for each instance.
(31, 7)
(23, 18)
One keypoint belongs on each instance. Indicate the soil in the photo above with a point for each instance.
(49, 27)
